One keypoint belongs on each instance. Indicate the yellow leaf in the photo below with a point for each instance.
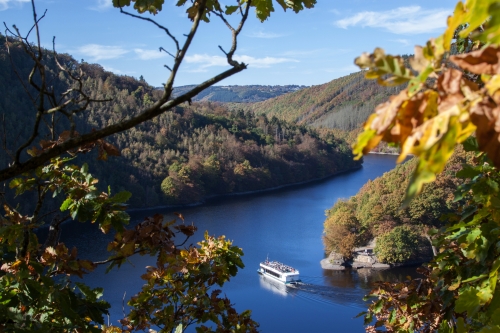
(366, 141)
(493, 84)
(16, 264)
(476, 14)
(459, 17)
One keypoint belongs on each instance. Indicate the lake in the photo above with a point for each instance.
(284, 225)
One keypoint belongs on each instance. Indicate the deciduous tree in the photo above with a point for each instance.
(453, 92)
(36, 288)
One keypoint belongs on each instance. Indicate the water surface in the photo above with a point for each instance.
(285, 225)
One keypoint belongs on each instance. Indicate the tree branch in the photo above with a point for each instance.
(162, 105)
(155, 23)
(235, 32)
(158, 108)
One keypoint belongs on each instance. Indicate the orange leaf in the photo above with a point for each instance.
(486, 116)
(483, 61)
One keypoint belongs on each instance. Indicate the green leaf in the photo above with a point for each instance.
(65, 205)
(122, 196)
(461, 325)
(361, 314)
(121, 3)
(471, 144)
(263, 9)
(231, 9)
(365, 141)
(368, 318)
(15, 182)
(85, 169)
(379, 65)
(445, 327)
(468, 301)
(468, 171)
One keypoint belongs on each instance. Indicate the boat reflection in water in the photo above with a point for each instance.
(275, 287)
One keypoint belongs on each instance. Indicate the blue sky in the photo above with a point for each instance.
(309, 48)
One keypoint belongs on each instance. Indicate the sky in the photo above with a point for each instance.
(312, 47)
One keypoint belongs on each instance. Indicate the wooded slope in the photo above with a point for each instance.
(343, 103)
(180, 157)
(375, 211)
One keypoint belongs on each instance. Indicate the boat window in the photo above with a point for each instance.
(272, 273)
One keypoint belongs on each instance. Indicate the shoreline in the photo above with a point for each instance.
(379, 153)
(217, 196)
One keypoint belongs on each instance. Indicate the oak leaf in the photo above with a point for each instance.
(486, 116)
(483, 61)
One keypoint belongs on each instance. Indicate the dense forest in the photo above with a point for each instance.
(239, 94)
(180, 157)
(343, 103)
(375, 212)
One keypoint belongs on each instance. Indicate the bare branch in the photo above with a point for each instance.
(155, 23)
(156, 109)
(13, 64)
(170, 54)
(235, 32)
(162, 105)
(107, 261)
(182, 52)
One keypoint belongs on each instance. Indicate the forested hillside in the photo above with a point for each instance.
(343, 103)
(180, 157)
(375, 211)
(239, 94)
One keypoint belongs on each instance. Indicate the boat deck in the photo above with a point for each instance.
(279, 266)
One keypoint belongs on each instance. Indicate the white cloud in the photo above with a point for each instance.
(206, 61)
(101, 5)
(100, 52)
(263, 62)
(262, 34)
(402, 20)
(5, 4)
(149, 54)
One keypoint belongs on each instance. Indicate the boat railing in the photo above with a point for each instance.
(279, 266)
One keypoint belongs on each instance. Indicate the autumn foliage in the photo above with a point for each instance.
(452, 93)
(37, 287)
(376, 210)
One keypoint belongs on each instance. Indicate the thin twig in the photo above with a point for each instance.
(162, 105)
(170, 54)
(155, 23)
(235, 32)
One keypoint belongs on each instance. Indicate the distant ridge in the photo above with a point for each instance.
(239, 94)
(343, 103)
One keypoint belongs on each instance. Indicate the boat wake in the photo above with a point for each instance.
(314, 292)
(326, 294)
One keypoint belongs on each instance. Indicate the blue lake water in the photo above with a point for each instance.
(285, 225)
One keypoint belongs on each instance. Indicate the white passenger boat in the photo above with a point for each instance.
(279, 272)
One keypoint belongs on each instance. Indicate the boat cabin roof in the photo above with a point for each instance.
(279, 266)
